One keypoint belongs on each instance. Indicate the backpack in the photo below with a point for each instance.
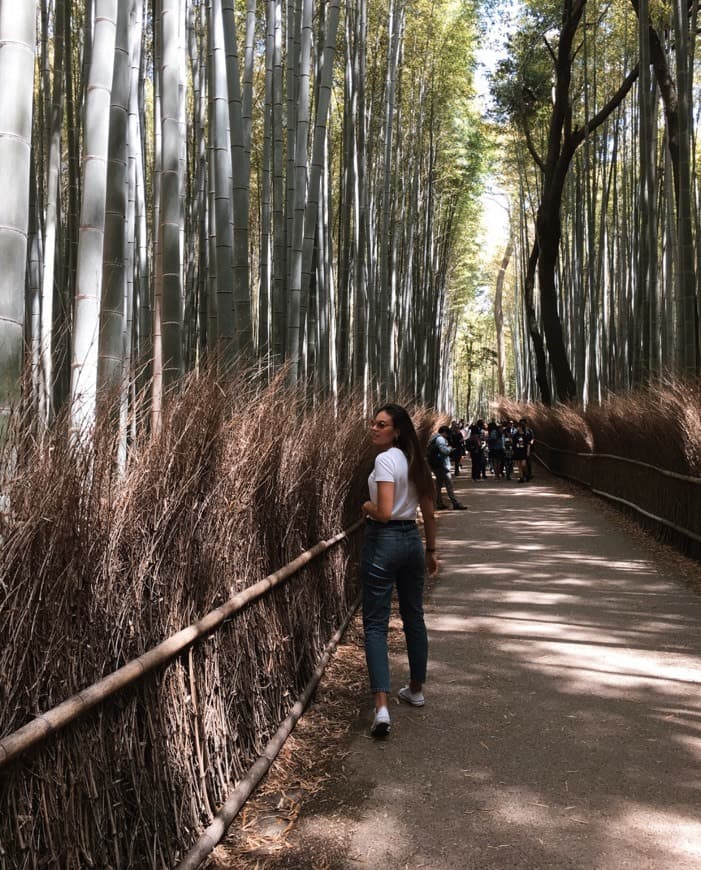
(435, 458)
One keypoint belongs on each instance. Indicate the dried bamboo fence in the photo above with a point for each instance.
(38, 734)
(657, 497)
(96, 568)
(39, 730)
(220, 824)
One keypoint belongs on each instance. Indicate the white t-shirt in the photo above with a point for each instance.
(391, 466)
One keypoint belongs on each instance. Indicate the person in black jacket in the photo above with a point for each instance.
(475, 444)
(531, 441)
(522, 449)
(457, 442)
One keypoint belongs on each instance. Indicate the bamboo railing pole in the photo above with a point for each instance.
(627, 459)
(213, 834)
(43, 726)
(682, 531)
(661, 520)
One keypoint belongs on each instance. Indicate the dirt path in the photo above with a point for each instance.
(562, 726)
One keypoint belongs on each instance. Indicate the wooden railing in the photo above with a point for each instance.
(40, 730)
(664, 497)
(45, 725)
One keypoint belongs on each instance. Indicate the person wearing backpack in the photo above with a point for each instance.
(439, 455)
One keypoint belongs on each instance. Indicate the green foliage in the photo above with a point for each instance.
(522, 81)
(603, 53)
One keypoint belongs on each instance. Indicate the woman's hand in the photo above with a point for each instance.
(382, 511)
(431, 564)
(429, 519)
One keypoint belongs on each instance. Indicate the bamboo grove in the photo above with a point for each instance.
(598, 106)
(278, 182)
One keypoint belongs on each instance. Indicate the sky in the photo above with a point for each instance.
(495, 221)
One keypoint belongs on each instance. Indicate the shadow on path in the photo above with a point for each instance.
(562, 725)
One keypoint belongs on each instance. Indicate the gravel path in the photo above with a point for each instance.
(562, 726)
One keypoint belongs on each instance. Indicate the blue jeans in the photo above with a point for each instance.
(393, 553)
(443, 479)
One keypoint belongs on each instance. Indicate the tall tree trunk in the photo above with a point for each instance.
(318, 151)
(222, 223)
(113, 307)
(330, 346)
(136, 277)
(32, 317)
(362, 301)
(143, 315)
(384, 308)
(563, 141)
(17, 35)
(266, 236)
(499, 317)
(549, 233)
(64, 286)
(676, 102)
(170, 203)
(279, 247)
(541, 374)
(688, 313)
(294, 290)
(92, 220)
(52, 216)
(647, 242)
(156, 311)
(195, 318)
(240, 181)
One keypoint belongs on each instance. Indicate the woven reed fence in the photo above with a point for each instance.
(664, 501)
(98, 567)
(640, 450)
(41, 732)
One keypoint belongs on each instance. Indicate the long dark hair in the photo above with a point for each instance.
(408, 441)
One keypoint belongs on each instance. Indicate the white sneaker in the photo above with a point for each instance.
(380, 724)
(416, 699)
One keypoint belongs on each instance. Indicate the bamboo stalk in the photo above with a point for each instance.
(39, 729)
(201, 776)
(213, 835)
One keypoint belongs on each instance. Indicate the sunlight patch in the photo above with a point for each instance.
(451, 623)
(587, 666)
(680, 835)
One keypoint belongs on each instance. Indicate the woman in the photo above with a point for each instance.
(393, 553)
